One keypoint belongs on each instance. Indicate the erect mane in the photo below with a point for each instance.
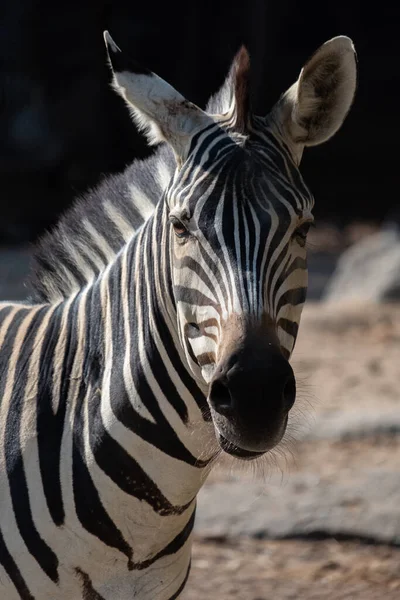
(96, 227)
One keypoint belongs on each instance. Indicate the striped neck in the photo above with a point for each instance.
(149, 399)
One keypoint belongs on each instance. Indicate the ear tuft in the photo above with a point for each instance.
(120, 61)
(109, 42)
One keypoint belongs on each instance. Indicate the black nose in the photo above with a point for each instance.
(289, 391)
(253, 390)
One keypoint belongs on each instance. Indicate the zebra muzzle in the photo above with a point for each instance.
(251, 394)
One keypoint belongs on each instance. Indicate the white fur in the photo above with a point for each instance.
(160, 111)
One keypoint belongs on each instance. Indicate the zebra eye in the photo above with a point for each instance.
(179, 228)
(301, 233)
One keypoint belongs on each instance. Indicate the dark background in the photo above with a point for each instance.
(62, 128)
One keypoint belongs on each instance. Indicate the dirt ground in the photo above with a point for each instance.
(348, 363)
(293, 570)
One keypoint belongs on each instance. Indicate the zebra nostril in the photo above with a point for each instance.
(194, 326)
(289, 392)
(220, 398)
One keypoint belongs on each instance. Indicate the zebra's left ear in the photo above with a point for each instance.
(156, 107)
(314, 108)
(233, 99)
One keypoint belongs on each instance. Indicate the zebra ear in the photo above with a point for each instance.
(314, 108)
(156, 107)
(233, 99)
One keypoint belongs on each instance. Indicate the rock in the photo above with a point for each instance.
(355, 425)
(368, 271)
(321, 266)
(363, 504)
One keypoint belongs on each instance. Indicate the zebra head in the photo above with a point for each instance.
(238, 214)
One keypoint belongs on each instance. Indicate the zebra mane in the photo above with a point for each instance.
(96, 227)
(233, 99)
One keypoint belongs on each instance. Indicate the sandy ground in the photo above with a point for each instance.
(348, 419)
(294, 570)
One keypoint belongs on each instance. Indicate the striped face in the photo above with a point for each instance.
(238, 214)
(239, 217)
(239, 223)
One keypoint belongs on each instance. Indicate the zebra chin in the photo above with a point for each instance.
(237, 452)
(248, 446)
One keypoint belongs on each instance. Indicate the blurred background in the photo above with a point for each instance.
(62, 129)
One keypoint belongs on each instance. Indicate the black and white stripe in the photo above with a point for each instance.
(112, 405)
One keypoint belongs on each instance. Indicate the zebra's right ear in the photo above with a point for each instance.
(314, 108)
(156, 107)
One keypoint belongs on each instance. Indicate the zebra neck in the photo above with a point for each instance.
(150, 402)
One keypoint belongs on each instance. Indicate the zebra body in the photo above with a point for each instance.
(165, 301)
(116, 535)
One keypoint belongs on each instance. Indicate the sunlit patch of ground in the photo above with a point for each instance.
(348, 365)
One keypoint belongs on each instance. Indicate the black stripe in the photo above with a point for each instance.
(290, 327)
(89, 508)
(7, 347)
(264, 225)
(276, 241)
(194, 297)
(13, 572)
(49, 425)
(249, 251)
(68, 262)
(160, 434)
(88, 591)
(122, 469)
(283, 274)
(183, 584)
(70, 349)
(150, 305)
(89, 261)
(282, 256)
(188, 262)
(195, 139)
(280, 154)
(214, 269)
(42, 553)
(5, 311)
(218, 154)
(185, 378)
(245, 252)
(173, 547)
(293, 297)
(285, 353)
(298, 263)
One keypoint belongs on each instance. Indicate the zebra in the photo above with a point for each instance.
(166, 308)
